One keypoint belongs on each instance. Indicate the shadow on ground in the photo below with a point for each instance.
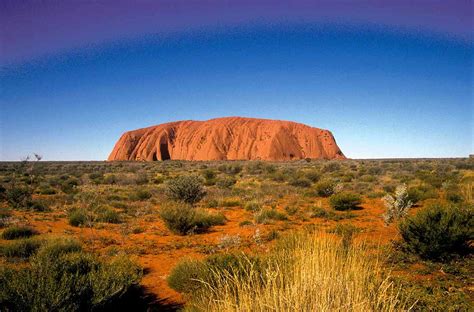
(138, 299)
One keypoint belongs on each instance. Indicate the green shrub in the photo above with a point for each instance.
(210, 176)
(69, 186)
(230, 169)
(57, 247)
(345, 201)
(212, 203)
(454, 197)
(66, 279)
(439, 231)
(318, 212)
(331, 167)
(226, 182)
(253, 206)
(291, 210)
(313, 176)
(23, 248)
(46, 190)
(188, 189)
(38, 206)
(19, 197)
(301, 182)
(79, 217)
(278, 176)
(189, 276)
(325, 188)
(265, 215)
(109, 215)
(141, 195)
(184, 219)
(110, 179)
(419, 193)
(230, 202)
(16, 232)
(245, 223)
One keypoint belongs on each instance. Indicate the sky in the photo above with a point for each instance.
(390, 79)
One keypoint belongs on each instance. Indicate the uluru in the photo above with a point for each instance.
(229, 138)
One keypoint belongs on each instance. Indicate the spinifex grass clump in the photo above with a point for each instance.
(305, 272)
(15, 232)
(21, 249)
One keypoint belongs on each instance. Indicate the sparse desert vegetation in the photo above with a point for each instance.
(360, 235)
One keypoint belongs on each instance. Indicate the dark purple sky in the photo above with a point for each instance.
(388, 78)
(31, 29)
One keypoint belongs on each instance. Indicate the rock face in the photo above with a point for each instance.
(230, 138)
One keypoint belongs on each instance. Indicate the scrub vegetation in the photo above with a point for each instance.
(308, 235)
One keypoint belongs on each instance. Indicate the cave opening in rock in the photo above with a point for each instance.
(164, 152)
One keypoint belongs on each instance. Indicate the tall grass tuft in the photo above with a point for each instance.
(305, 272)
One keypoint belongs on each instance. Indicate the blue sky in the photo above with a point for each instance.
(381, 91)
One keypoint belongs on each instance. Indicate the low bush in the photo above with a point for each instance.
(454, 197)
(439, 231)
(324, 188)
(318, 212)
(70, 185)
(313, 175)
(420, 193)
(253, 205)
(266, 215)
(80, 217)
(230, 202)
(345, 201)
(245, 223)
(301, 182)
(141, 195)
(188, 189)
(46, 190)
(61, 278)
(191, 276)
(38, 206)
(19, 197)
(23, 248)
(184, 219)
(226, 182)
(109, 215)
(16, 232)
(212, 203)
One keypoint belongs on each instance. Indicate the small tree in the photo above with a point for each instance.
(397, 205)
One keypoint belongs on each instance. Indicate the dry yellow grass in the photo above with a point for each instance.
(467, 191)
(306, 272)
